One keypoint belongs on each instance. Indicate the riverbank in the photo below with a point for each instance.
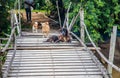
(105, 50)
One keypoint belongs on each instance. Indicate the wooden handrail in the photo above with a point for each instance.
(101, 55)
(15, 25)
(4, 38)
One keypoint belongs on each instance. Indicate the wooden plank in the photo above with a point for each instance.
(38, 57)
(44, 48)
(112, 48)
(43, 44)
(4, 38)
(37, 34)
(55, 70)
(2, 45)
(54, 61)
(71, 76)
(57, 64)
(51, 60)
(78, 49)
(32, 77)
(54, 73)
(82, 32)
(64, 67)
(49, 52)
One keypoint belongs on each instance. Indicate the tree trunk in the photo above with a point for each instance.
(62, 10)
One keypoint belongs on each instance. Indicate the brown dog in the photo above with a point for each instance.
(45, 29)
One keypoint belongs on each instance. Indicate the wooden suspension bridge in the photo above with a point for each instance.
(31, 57)
(35, 58)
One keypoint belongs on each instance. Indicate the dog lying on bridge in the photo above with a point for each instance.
(63, 37)
(56, 39)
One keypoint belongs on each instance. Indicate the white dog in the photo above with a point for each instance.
(35, 27)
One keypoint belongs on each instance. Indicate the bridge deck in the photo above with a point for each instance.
(51, 60)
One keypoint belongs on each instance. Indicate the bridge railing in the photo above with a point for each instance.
(15, 24)
(105, 73)
(82, 41)
(15, 31)
(100, 53)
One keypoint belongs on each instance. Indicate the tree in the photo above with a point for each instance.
(4, 22)
(53, 11)
(100, 16)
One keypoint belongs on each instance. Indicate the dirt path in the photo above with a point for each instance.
(38, 17)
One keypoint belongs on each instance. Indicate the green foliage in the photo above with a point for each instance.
(4, 19)
(2, 57)
(100, 16)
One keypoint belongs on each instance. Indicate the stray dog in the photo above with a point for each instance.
(56, 39)
(62, 37)
(65, 37)
(53, 38)
(35, 27)
(45, 29)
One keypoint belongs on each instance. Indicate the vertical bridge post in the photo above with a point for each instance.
(82, 33)
(0, 60)
(112, 48)
(19, 7)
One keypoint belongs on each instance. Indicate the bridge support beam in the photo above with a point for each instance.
(82, 33)
(19, 7)
(112, 48)
(0, 61)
